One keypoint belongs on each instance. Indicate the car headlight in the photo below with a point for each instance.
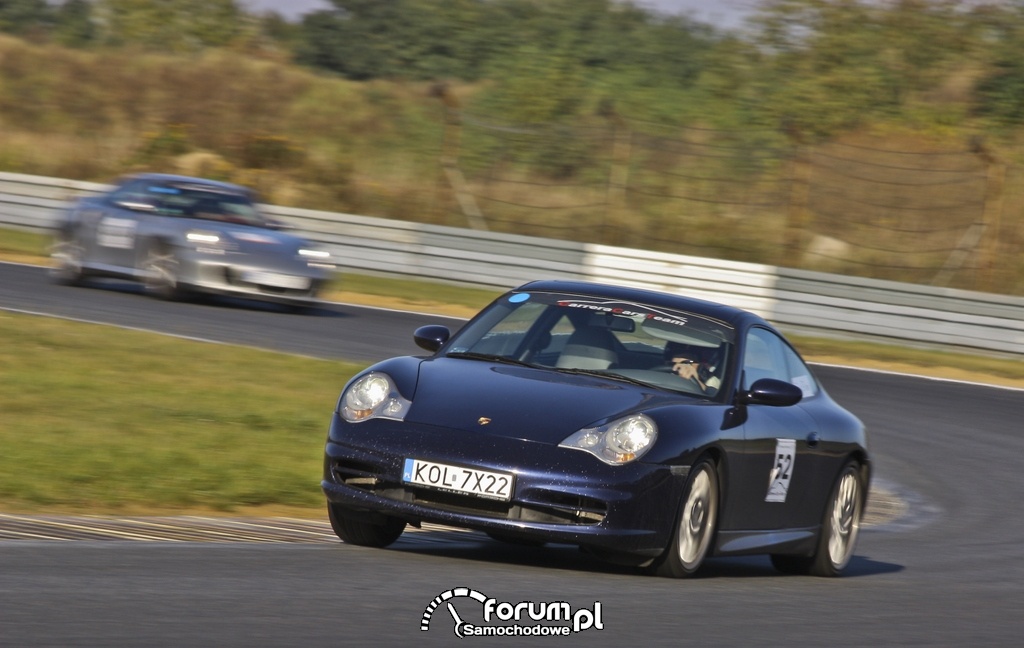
(373, 396)
(618, 442)
(316, 258)
(198, 237)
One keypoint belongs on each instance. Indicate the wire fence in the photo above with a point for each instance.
(923, 214)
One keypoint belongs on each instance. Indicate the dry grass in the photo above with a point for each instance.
(302, 138)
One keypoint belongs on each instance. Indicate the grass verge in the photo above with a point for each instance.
(101, 422)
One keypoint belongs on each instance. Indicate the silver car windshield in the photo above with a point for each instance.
(191, 201)
(627, 340)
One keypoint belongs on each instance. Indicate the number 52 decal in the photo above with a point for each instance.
(782, 470)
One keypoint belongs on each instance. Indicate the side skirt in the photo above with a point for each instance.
(801, 542)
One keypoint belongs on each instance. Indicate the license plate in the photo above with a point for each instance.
(457, 479)
(277, 280)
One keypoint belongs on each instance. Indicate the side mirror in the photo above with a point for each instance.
(431, 337)
(769, 391)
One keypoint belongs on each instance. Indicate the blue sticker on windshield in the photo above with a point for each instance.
(519, 297)
(163, 190)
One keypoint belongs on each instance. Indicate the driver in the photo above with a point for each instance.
(695, 363)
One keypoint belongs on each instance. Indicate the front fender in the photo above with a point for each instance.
(404, 370)
(687, 431)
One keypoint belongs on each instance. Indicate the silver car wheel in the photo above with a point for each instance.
(844, 522)
(839, 528)
(67, 256)
(697, 519)
(160, 269)
(691, 541)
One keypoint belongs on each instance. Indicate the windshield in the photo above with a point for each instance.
(190, 200)
(198, 202)
(660, 347)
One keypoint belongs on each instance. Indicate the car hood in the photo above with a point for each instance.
(520, 402)
(255, 239)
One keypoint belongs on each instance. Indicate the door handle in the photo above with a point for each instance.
(812, 439)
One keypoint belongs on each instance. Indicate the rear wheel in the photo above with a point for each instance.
(67, 256)
(839, 529)
(691, 541)
(353, 528)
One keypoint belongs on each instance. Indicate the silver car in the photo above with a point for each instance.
(179, 235)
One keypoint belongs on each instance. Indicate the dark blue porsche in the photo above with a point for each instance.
(645, 427)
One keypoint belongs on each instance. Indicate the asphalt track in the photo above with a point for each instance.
(947, 571)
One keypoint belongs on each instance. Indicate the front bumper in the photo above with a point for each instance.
(244, 276)
(560, 495)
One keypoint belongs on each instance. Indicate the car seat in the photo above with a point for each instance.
(589, 348)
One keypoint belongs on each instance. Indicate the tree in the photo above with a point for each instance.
(832, 63)
(470, 39)
(361, 39)
(169, 25)
(73, 23)
(1000, 92)
(24, 17)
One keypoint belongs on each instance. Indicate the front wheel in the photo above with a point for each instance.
(691, 541)
(160, 269)
(364, 531)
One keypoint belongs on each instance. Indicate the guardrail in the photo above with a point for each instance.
(796, 300)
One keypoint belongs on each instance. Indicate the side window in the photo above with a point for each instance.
(761, 359)
(768, 356)
(132, 192)
(799, 374)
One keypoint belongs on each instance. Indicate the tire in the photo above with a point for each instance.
(67, 257)
(695, 527)
(364, 531)
(160, 267)
(840, 527)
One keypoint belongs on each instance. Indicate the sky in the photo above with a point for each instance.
(725, 14)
